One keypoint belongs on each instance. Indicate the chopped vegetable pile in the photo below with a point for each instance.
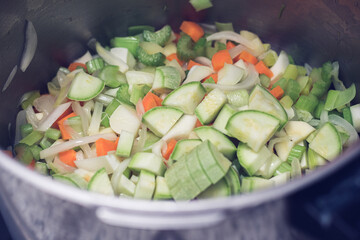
(189, 115)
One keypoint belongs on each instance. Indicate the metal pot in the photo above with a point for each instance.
(36, 207)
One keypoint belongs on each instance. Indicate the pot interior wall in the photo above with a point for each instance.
(310, 31)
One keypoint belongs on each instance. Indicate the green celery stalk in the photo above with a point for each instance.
(131, 43)
(26, 129)
(32, 138)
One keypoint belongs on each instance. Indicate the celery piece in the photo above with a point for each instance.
(45, 143)
(210, 51)
(238, 98)
(131, 43)
(291, 60)
(291, 72)
(108, 111)
(282, 83)
(135, 30)
(337, 99)
(301, 70)
(319, 88)
(184, 48)
(53, 133)
(266, 46)
(41, 167)
(331, 99)
(201, 4)
(94, 64)
(156, 59)
(123, 94)
(270, 58)
(326, 72)
(286, 101)
(284, 167)
(112, 76)
(160, 37)
(23, 153)
(347, 115)
(138, 91)
(303, 81)
(28, 98)
(209, 80)
(26, 129)
(35, 150)
(127, 172)
(318, 110)
(224, 26)
(315, 159)
(307, 103)
(32, 138)
(296, 153)
(200, 47)
(264, 80)
(292, 89)
(306, 90)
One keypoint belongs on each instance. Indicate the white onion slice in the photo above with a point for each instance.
(80, 155)
(84, 58)
(88, 107)
(198, 73)
(324, 117)
(31, 117)
(204, 61)
(10, 78)
(111, 58)
(353, 135)
(338, 84)
(74, 135)
(46, 123)
(83, 116)
(75, 143)
(30, 46)
(118, 173)
(235, 51)
(250, 81)
(232, 36)
(274, 141)
(140, 142)
(156, 148)
(45, 104)
(62, 167)
(280, 65)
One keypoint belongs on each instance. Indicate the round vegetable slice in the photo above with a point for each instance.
(85, 87)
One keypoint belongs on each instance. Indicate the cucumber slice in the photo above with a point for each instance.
(327, 142)
(208, 109)
(220, 189)
(250, 184)
(283, 149)
(161, 119)
(186, 98)
(166, 79)
(220, 141)
(250, 160)
(233, 180)
(222, 119)
(124, 118)
(230, 74)
(145, 186)
(196, 171)
(125, 144)
(314, 159)
(268, 169)
(65, 179)
(147, 161)
(298, 130)
(252, 127)
(262, 100)
(182, 128)
(161, 190)
(85, 87)
(109, 162)
(160, 37)
(183, 147)
(100, 183)
(125, 186)
(138, 77)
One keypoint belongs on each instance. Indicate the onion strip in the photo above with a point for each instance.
(75, 143)
(83, 116)
(232, 36)
(10, 78)
(339, 121)
(46, 123)
(30, 46)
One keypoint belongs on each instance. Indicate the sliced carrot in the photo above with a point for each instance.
(31, 164)
(192, 29)
(73, 66)
(67, 112)
(214, 76)
(277, 92)
(68, 157)
(248, 57)
(117, 141)
(192, 63)
(230, 45)
(150, 101)
(174, 57)
(198, 123)
(64, 133)
(220, 58)
(104, 146)
(170, 148)
(263, 69)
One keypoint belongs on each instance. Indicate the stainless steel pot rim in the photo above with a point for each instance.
(90, 199)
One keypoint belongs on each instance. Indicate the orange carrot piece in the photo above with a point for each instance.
(104, 146)
(117, 141)
(261, 68)
(277, 92)
(73, 66)
(170, 148)
(192, 63)
(67, 112)
(64, 133)
(68, 157)
(198, 123)
(230, 45)
(150, 101)
(213, 76)
(174, 57)
(248, 57)
(31, 164)
(192, 29)
(220, 58)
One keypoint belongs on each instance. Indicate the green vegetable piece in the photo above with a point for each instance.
(318, 110)
(264, 80)
(270, 58)
(26, 129)
(112, 76)
(238, 98)
(296, 153)
(53, 134)
(326, 72)
(123, 94)
(160, 37)
(293, 89)
(135, 30)
(23, 153)
(131, 43)
(45, 143)
(29, 98)
(284, 167)
(337, 99)
(35, 151)
(156, 59)
(291, 72)
(224, 26)
(286, 101)
(32, 138)
(282, 83)
(301, 70)
(291, 60)
(307, 103)
(347, 115)
(200, 47)
(94, 64)
(138, 91)
(109, 111)
(184, 48)
(201, 4)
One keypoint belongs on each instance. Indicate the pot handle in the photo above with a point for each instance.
(151, 221)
